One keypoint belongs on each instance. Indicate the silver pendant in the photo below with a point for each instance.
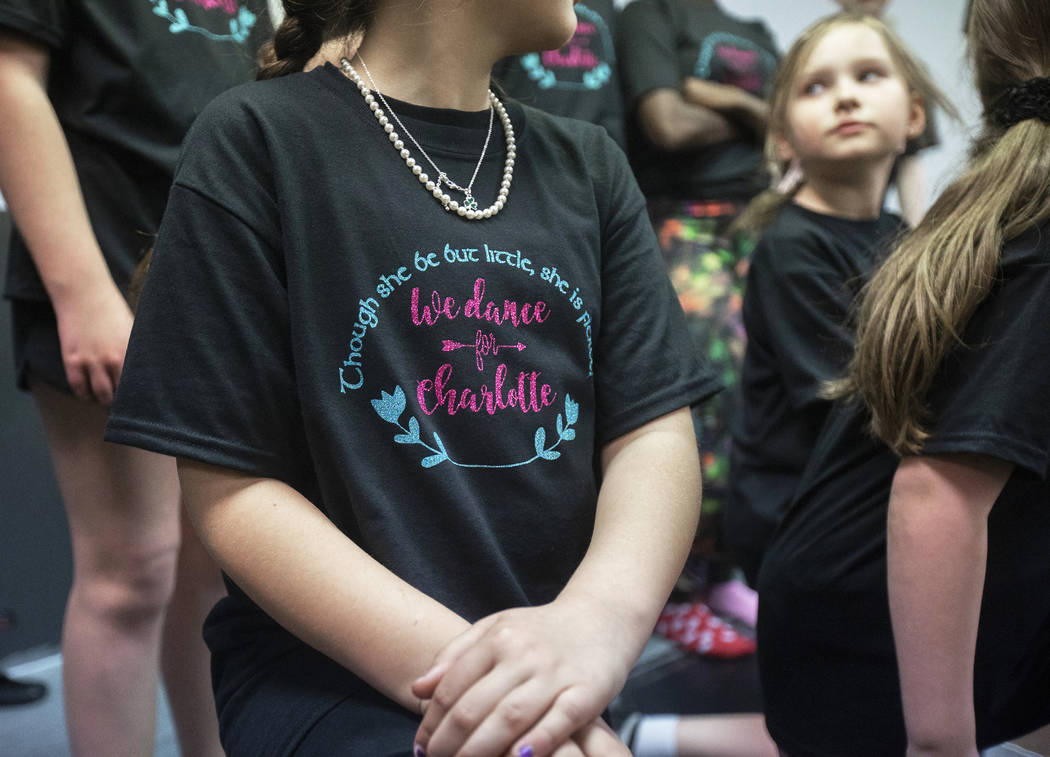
(469, 202)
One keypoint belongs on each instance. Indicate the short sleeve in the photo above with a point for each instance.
(209, 369)
(645, 362)
(992, 396)
(646, 49)
(45, 21)
(797, 303)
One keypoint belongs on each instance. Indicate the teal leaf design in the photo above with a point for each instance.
(548, 80)
(572, 410)
(181, 22)
(390, 406)
(540, 440)
(412, 436)
(161, 8)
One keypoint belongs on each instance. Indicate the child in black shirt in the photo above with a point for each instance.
(832, 118)
(424, 375)
(581, 79)
(904, 602)
(96, 98)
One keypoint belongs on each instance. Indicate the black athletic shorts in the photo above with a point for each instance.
(36, 347)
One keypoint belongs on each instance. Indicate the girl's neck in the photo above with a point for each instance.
(856, 195)
(436, 60)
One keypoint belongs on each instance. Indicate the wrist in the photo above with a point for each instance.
(628, 624)
(76, 287)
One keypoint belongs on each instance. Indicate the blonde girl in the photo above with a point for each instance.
(904, 603)
(848, 98)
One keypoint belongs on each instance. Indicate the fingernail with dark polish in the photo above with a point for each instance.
(525, 751)
(418, 751)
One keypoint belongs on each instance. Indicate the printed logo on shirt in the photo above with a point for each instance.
(226, 20)
(480, 361)
(584, 63)
(729, 59)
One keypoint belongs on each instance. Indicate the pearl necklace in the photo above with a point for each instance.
(469, 207)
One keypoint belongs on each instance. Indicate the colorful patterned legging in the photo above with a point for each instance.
(708, 268)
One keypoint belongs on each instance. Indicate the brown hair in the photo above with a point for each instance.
(764, 208)
(919, 302)
(307, 25)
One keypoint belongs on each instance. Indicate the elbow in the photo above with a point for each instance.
(664, 135)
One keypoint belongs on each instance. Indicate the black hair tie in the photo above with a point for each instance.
(1029, 99)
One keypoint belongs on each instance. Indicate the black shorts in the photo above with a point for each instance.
(36, 346)
(278, 697)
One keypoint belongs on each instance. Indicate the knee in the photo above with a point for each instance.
(131, 588)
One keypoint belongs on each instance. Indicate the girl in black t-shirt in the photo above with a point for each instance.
(696, 81)
(904, 602)
(425, 379)
(848, 97)
(96, 98)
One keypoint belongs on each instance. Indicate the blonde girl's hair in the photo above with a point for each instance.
(764, 208)
(917, 305)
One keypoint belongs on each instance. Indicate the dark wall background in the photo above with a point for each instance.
(35, 564)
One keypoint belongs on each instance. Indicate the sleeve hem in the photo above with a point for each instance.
(652, 407)
(34, 28)
(1021, 454)
(165, 440)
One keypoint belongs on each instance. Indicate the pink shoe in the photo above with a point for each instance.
(734, 599)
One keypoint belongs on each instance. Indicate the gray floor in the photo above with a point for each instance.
(38, 729)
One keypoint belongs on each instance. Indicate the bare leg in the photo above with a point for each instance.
(123, 518)
(741, 735)
(184, 656)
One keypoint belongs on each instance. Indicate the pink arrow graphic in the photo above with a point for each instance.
(483, 345)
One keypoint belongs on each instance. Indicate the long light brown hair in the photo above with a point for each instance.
(917, 305)
(764, 208)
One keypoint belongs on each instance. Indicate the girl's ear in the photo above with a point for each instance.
(784, 151)
(916, 117)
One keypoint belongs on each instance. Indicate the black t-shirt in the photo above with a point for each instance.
(825, 642)
(659, 43)
(581, 79)
(439, 387)
(804, 275)
(126, 81)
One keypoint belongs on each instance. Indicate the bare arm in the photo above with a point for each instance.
(733, 102)
(40, 185)
(648, 508)
(315, 581)
(671, 123)
(937, 549)
(533, 676)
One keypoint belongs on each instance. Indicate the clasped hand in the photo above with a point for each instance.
(527, 682)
